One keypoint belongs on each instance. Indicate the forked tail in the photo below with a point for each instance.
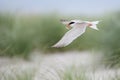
(93, 25)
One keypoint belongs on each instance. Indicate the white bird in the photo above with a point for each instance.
(76, 29)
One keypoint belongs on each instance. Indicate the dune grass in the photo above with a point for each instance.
(74, 73)
(14, 76)
(17, 72)
(70, 73)
(26, 33)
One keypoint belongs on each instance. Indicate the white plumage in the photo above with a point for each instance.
(78, 28)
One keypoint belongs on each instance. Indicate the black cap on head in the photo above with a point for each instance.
(71, 23)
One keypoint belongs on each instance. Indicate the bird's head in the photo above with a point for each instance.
(73, 22)
(70, 23)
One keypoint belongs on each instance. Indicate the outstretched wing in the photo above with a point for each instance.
(71, 35)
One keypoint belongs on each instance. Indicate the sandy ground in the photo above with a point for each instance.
(55, 66)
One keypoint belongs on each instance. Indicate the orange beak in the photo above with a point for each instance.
(68, 26)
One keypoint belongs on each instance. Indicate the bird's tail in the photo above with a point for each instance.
(93, 25)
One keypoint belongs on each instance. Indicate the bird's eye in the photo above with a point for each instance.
(71, 23)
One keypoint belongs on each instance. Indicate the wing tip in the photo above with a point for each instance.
(54, 46)
(57, 46)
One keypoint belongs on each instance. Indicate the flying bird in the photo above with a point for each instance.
(76, 28)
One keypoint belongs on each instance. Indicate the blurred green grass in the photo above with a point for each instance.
(21, 34)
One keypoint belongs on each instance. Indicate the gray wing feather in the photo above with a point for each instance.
(71, 35)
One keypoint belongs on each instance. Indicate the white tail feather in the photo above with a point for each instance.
(94, 23)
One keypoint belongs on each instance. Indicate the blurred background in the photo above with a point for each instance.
(29, 25)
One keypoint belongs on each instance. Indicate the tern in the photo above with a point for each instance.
(76, 28)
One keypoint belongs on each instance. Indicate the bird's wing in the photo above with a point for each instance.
(71, 35)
